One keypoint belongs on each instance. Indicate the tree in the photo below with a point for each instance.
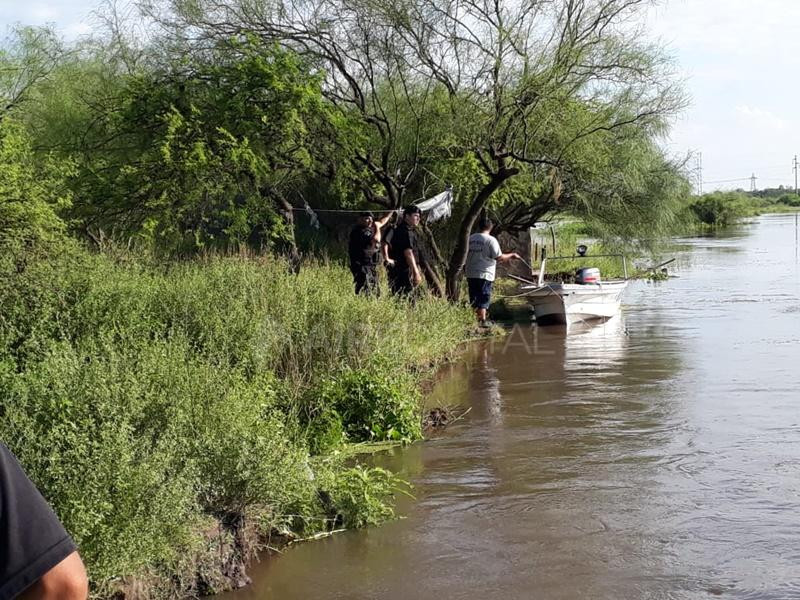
(27, 57)
(510, 75)
(199, 151)
(32, 195)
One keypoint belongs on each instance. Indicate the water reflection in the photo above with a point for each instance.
(654, 456)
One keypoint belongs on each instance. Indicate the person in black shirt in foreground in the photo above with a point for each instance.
(38, 560)
(364, 247)
(401, 254)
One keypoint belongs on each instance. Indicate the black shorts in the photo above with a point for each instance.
(480, 292)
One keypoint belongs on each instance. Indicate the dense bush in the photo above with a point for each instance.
(357, 495)
(789, 199)
(31, 192)
(371, 405)
(722, 208)
(145, 398)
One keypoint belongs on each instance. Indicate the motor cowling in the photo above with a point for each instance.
(587, 275)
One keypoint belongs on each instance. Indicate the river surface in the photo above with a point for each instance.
(655, 456)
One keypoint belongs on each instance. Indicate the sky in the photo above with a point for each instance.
(736, 57)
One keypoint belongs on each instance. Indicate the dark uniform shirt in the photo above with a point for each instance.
(361, 248)
(32, 540)
(400, 239)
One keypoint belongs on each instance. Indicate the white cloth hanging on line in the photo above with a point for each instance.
(310, 212)
(438, 207)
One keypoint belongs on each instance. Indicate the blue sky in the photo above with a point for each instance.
(71, 17)
(738, 58)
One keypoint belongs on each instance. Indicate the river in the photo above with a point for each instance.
(655, 456)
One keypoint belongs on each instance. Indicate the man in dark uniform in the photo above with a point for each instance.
(400, 252)
(363, 249)
(38, 560)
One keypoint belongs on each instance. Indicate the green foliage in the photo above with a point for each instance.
(188, 155)
(372, 405)
(140, 406)
(720, 209)
(32, 193)
(360, 496)
(27, 57)
(95, 438)
(789, 199)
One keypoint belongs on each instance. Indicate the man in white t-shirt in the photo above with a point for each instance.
(484, 254)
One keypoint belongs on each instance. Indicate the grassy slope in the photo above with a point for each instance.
(151, 403)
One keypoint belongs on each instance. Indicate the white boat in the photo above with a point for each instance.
(563, 303)
(588, 300)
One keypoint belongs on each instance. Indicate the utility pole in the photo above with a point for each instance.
(753, 182)
(794, 163)
(697, 171)
(700, 172)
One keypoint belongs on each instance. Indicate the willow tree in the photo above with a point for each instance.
(27, 57)
(185, 152)
(509, 71)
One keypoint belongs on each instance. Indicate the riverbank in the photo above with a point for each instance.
(620, 461)
(180, 415)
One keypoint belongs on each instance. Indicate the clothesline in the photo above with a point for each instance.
(438, 207)
(345, 210)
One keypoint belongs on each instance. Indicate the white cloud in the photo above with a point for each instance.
(68, 16)
(760, 118)
(739, 57)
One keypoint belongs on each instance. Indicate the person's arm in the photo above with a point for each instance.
(498, 254)
(65, 581)
(385, 219)
(38, 559)
(378, 225)
(509, 256)
(385, 248)
(411, 261)
(386, 259)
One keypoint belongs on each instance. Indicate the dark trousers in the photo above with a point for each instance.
(400, 281)
(365, 278)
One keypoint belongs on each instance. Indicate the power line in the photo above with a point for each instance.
(728, 180)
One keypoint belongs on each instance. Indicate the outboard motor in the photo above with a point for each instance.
(587, 275)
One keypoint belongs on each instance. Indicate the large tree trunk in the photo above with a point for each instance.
(459, 256)
(431, 260)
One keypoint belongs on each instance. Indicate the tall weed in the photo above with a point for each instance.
(144, 397)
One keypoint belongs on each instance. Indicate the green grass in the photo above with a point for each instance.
(150, 401)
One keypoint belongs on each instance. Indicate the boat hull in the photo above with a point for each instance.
(563, 303)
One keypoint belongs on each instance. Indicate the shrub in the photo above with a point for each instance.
(789, 199)
(144, 398)
(721, 208)
(373, 405)
(361, 496)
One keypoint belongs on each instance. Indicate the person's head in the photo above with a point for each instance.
(485, 225)
(412, 215)
(365, 219)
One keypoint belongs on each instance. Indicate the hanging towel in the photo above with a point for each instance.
(312, 215)
(438, 207)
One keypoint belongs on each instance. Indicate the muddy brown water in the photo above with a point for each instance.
(656, 456)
